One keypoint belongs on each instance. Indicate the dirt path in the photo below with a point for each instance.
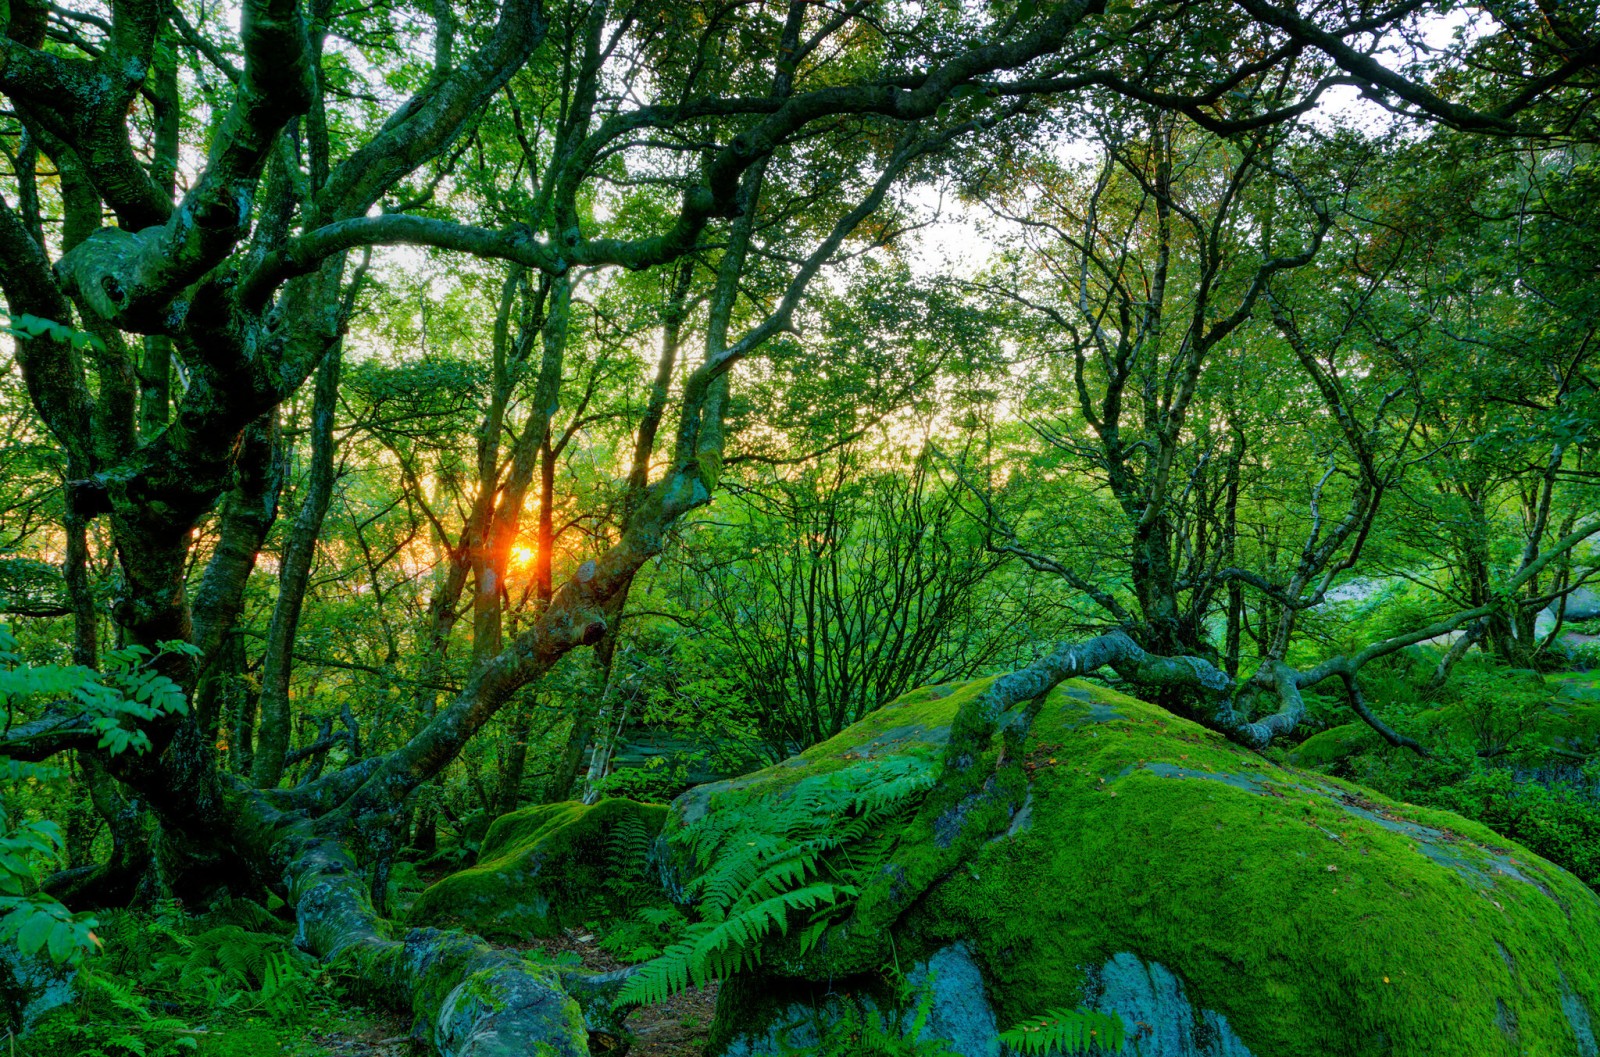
(677, 1027)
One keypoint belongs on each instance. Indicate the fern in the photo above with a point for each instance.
(234, 957)
(799, 857)
(1066, 1031)
(628, 845)
(248, 915)
(111, 1020)
(643, 936)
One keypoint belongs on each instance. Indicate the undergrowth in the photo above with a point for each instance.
(792, 860)
(1512, 749)
(227, 983)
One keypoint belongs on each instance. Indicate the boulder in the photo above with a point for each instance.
(30, 987)
(1216, 902)
(547, 868)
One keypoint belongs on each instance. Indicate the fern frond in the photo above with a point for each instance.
(627, 846)
(662, 977)
(1066, 1031)
(760, 867)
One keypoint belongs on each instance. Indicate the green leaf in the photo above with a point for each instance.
(35, 932)
(63, 941)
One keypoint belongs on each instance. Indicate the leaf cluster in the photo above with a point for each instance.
(797, 859)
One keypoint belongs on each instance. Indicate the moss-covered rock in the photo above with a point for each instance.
(30, 987)
(546, 868)
(1154, 865)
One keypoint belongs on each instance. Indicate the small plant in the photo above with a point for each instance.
(627, 854)
(128, 688)
(658, 781)
(800, 856)
(37, 923)
(646, 935)
(110, 1020)
(1066, 1031)
(1501, 707)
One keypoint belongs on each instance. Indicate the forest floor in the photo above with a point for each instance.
(381, 1038)
(677, 1027)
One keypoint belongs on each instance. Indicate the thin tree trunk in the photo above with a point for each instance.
(294, 574)
(508, 790)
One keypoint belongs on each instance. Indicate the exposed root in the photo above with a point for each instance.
(468, 998)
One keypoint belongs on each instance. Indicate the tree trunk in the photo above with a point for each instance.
(294, 574)
(508, 789)
(113, 883)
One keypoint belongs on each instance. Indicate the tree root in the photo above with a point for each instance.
(468, 999)
(975, 800)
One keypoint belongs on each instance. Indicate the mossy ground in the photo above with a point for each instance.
(1319, 917)
(1567, 721)
(543, 869)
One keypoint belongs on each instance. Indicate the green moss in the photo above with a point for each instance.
(1565, 723)
(1572, 725)
(915, 724)
(1575, 684)
(1329, 749)
(545, 868)
(1319, 917)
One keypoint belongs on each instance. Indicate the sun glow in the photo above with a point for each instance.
(521, 555)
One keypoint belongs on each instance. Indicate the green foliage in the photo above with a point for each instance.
(828, 591)
(550, 867)
(1066, 1031)
(25, 327)
(169, 983)
(36, 922)
(900, 1031)
(1501, 707)
(110, 1020)
(234, 957)
(1586, 654)
(800, 856)
(1559, 820)
(225, 958)
(658, 781)
(128, 690)
(627, 850)
(131, 689)
(1554, 809)
(39, 924)
(645, 935)
(1508, 748)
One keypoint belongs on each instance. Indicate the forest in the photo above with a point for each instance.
(917, 528)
